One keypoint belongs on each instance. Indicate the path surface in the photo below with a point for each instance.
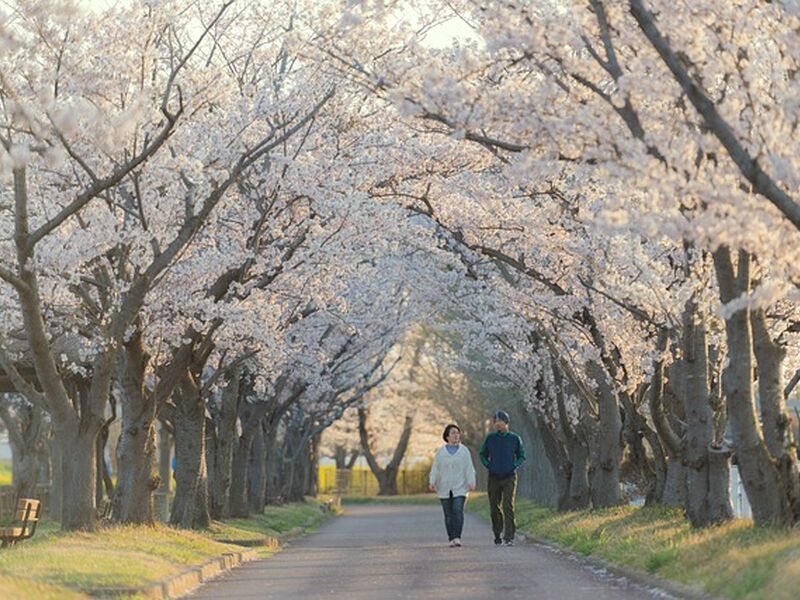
(382, 552)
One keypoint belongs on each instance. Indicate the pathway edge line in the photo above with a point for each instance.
(648, 580)
(180, 584)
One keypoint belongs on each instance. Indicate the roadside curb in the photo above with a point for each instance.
(180, 584)
(651, 582)
(187, 581)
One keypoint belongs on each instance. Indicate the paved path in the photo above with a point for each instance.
(382, 552)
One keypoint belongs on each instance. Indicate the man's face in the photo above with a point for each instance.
(500, 425)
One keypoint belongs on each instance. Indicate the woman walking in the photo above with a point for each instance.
(452, 476)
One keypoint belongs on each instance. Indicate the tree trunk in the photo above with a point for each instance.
(387, 476)
(701, 480)
(164, 473)
(272, 491)
(641, 467)
(190, 506)
(312, 479)
(257, 472)
(25, 474)
(775, 420)
(27, 432)
(607, 450)
(299, 474)
(225, 417)
(136, 449)
(77, 447)
(238, 496)
(104, 486)
(768, 499)
(560, 463)
(673, 492)
(675, 483)
(580, 496)
(57, 484)
(578, 493)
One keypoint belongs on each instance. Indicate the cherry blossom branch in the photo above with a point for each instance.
(9, 277)
(761, 182)
(20, 383)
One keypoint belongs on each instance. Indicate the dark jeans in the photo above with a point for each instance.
(501, 494)
(453, 515)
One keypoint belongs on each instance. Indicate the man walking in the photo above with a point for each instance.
(502, 453)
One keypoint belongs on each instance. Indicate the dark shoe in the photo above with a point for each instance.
(497, 541)
(509, 542)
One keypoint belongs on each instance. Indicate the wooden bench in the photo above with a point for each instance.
(27, 518)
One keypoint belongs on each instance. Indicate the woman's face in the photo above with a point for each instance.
(454, 436)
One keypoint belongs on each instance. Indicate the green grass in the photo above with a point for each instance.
(275, 522)
(735, 560)
(55, 564)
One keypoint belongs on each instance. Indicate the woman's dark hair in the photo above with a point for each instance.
(448, 428)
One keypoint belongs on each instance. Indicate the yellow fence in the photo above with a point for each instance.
(359, 481)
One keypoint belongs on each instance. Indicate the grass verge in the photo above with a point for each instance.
(735, 560)
(55, 565)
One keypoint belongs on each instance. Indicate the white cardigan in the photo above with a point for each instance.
(452, 472)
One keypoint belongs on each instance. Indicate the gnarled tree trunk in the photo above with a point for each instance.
(136, 449)
(707, 468)
(768, 497)
(674, 490)
(190, 506)
(386, 476)
(606, 452)
(224, 415)
(257, 472)
(775, 420)
(28, 431)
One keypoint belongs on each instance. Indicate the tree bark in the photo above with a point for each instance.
(578, 489)
(673, 492)
(190, 506)
(27, 435)
(775, 420)
(77, 447)
(312, 479)
(768, 499)
(257, 472)
(57, 485)
(225, 415)
(272, 491)
(706, 502)
(136, 449)
(607, 448)
(239, 506)
(386, 476)
(560, 462)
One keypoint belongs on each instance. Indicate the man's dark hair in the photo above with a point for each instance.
(448, 428)
(501, 415)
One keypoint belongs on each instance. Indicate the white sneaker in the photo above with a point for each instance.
(452, 543)
(457, 542)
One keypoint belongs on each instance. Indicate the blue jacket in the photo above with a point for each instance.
(502, 453)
